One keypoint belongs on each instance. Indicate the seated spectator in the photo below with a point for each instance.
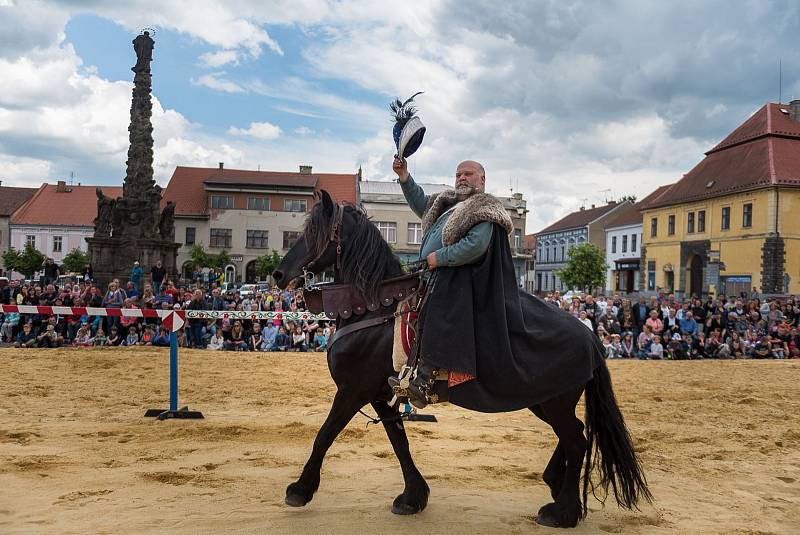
(585, 320)
(763, 348)
(628, 347)
(779, 348)
(698, 347)
(114, 339)
(216, 342)
(299, 340)
(655, 324)
(678, 347)
(656, 351)
(48, 337)
(83, 338)
(255, 339)
(282, 340)
(688, 324)
(268, 335)
(320, 343)
(794, 344)
(236, 340)
(147, 336)
(10, 322)
(26, 337)
(133, 337)
(644, 341)
(162, 338)
(100, 339)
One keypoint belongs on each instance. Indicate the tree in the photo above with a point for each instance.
(75, 260)
(28, 262)
(199, 257)
(585, 269)
(267, 263)
(221, 260)
(631, 198)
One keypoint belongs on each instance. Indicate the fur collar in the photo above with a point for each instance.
(468, 213)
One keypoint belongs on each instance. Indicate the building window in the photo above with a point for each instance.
(671, 225)
(190, 232)
(388, 230)
(221, 237)
(414, 233)
(747, 215)
(517, 238)
(294, 205)
(690, 223)
(613, 244)
(653, 227)
(30, 239)
(548, 255)
(289, 238)
(625, 243)
(701, 221)
(258, 203)
(651, 275)
(257, 239)
(563, 256)
(57, 240)
(726, 218)
(633, 243)
(221, 202)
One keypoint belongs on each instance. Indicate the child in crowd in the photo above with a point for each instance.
(320, 342)
(656, 351)
(26, 338)
(114, 339)
(84, 337)
(282, 340)
(100, 339)
(147, 336)
(162, 338)
(133, 337)
(299, 340)
(216, 342)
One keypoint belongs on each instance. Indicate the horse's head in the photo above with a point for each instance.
(340, 235)
(316, 249)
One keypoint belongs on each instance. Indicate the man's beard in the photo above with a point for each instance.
(464, 191)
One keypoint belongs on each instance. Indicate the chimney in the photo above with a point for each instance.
(61, 186)
(305, 169)
(592, 206)
(221, 165)
(794, 110)
(612, 202)
(583, 208)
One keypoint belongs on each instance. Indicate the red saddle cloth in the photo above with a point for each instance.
(454, 378)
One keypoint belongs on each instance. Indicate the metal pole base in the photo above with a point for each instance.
(182, 413)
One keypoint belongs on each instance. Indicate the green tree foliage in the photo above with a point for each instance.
(221, 260)
(631, 198)
(75, 261)
(267, 263)
(28, 262)
(585, 268)
(199, 257)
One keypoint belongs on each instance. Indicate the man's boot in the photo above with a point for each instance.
(415, 385)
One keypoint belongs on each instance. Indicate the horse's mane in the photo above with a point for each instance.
(366, 258)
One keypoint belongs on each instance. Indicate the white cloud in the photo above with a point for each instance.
(216, 60)
(303, 131)
(23, 172)
(213, 81)
(257, 130)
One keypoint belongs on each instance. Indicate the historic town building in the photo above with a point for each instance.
(246, 213)
(11, 200)
(730, 224)
(554, 242)
(58, 218)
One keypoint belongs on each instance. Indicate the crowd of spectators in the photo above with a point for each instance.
(55, 330)
(664, 326)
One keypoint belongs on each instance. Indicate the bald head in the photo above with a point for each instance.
(470, 173)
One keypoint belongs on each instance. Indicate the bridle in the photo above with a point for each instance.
(309, 277)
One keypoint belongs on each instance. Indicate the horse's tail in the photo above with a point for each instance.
(609, 447)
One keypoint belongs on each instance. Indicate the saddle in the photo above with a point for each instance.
(343, 300)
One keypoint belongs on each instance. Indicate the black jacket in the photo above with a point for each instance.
(520, 350)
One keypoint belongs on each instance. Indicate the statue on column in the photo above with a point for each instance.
(143, 45)
(166, 225)
(105, 207)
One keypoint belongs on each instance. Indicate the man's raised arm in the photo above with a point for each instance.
(415, 196)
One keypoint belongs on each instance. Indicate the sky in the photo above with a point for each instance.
(568, 102)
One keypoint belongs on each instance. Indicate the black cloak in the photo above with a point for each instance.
(521, 349)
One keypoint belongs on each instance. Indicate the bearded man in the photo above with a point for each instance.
(499, 347)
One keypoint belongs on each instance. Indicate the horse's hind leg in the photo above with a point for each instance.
(566, 510)
(345, 405)
(554, 473)
(415, 495)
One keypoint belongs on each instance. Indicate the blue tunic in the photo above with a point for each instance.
(467, 250)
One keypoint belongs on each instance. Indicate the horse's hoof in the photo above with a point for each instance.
(294, 500)
(400, 508)
(549, 516)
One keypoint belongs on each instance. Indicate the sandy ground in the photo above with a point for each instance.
(720, 442)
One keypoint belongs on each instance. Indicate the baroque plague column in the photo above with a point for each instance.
(133, 227)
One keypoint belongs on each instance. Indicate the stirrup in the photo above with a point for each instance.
(401, 383)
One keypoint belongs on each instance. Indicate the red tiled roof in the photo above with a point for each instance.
(764, 151)
(186, 188)
(632, 214)
(75, 207)
(12, 198)
(581, 218)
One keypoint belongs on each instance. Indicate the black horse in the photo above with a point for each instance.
(361, 362)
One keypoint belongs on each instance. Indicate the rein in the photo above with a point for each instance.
(336, 237)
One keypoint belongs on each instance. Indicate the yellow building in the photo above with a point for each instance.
(731, 224)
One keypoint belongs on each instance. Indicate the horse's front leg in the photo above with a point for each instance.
(345, 405)
(415, 495)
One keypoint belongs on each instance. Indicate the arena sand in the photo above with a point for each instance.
(720, 442)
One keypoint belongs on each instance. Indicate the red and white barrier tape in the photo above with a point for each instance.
(171, 319)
